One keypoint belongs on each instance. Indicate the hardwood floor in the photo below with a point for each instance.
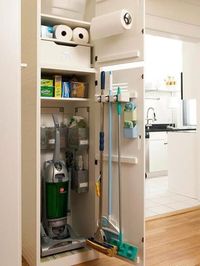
(170, 241)
(174, 241)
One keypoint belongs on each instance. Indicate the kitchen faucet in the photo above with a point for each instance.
(154, 115)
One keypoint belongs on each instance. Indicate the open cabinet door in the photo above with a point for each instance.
(122, 55)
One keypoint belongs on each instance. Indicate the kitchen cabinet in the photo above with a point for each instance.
(183, 161)
(157, 154)
(106, 54)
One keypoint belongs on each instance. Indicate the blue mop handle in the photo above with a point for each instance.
(101, 141)
(110, 151)
(103, 79)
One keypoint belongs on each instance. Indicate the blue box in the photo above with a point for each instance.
(66, 87)
(130, 133)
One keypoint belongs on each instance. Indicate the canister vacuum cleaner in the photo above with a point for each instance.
(56, 234)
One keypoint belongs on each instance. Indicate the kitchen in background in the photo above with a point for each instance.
(170, 123)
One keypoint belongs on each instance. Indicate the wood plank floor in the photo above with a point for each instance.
(170, 241)
(174, 240)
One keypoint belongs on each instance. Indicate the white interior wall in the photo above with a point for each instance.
(191, 59)
(10, 124)
(163, 58)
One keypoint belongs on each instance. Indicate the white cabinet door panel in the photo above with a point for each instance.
(157, 155)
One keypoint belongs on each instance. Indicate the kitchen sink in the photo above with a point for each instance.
(158, 128)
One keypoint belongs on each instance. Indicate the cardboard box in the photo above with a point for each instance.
(78, 89)
(47, 88)
(58, 87)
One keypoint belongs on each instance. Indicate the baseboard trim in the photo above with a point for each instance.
(178, 212)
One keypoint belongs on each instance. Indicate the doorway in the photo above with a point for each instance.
(171, 125)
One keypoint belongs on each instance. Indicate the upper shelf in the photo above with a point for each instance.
(54, 20)
(64, 99)
(162, 90)
(54, 69)
(64, 42)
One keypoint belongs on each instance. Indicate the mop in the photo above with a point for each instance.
(124, 249)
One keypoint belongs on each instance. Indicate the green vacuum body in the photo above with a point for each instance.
(56, 199)
(56, 189)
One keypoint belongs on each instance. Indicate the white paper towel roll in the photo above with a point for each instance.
(62, 32)
(110, 24)
(80, 35)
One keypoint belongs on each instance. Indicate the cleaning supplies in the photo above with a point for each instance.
(66, 89)
(47, 88)
(78, 89)
(58, 86)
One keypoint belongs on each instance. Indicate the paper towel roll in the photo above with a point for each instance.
(80, 35)
(110, 24)
(62, 32)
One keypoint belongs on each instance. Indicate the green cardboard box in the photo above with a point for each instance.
(47, 88)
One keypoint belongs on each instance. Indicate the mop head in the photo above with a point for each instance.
(125, 250)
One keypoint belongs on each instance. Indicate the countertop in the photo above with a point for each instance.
(169, 128)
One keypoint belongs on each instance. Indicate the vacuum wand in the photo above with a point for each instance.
(99, 235)
(56, 155)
